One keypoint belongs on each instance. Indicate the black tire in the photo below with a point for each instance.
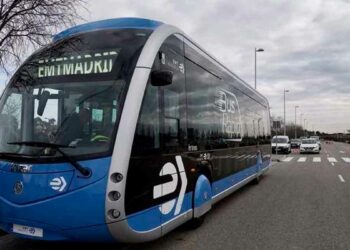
(256, 180)
(195, 223)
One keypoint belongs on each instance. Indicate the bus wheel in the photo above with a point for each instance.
(256, 180)
(201, 201)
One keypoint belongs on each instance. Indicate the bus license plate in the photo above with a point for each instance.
(30, 231)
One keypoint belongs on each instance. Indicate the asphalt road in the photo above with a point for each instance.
(303, 202)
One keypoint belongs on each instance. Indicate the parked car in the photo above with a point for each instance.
(280, 143)
(309, 146)
(295, 143)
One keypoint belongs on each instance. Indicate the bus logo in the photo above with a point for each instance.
(170, 187)
(18, 187)
(58, 184)
(227, 103)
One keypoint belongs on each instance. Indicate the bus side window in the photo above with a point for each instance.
(173, 96)
(146, 138)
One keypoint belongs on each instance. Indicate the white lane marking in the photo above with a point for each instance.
(346, 159)
(332, 159)
(341, 178)
(332, 163)
(316, 159)
(302, 159)
(288, 159)
(342, 152)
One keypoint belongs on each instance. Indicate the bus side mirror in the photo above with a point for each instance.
(161, 77)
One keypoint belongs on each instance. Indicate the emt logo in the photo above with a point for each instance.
(170, 187)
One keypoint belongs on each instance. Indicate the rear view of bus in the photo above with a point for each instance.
(103, 139)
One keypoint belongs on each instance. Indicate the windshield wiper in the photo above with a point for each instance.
(9, 154)
(84, 171)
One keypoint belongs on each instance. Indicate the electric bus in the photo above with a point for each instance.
(122, 130)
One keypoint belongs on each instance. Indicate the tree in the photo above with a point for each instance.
(30, 24)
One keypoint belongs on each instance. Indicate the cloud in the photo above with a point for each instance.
(306, 47)
(305, 42)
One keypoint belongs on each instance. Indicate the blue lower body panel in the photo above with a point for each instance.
(152, 218)
(75, 216)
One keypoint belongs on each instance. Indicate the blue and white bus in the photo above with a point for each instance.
(121, 130)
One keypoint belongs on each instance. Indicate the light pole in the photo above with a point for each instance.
(284, 104)
(295, 123)
(305, 127)
(256, 50)
(301, 119)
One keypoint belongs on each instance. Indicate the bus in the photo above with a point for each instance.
(122, 130)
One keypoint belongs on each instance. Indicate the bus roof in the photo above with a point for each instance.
(141, 23)
(116, 23)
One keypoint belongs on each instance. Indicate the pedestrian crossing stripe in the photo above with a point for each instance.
(302, 159)
(288, 159)
(346, 159)
(315, 159)
(332, 159)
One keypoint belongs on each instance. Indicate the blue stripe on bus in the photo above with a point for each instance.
(227, 182)
(152, 218)
(116, 23)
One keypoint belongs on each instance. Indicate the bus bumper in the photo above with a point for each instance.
(74, 216)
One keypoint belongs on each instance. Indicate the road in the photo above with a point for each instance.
(303, 202)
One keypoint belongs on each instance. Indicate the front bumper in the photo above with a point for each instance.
(280, 149)
(309, 150)
(75, 216)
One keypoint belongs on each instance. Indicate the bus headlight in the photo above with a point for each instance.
(116, 177)
(114, 195)
(114, 213)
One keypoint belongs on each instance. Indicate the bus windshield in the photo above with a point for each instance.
(70, 94)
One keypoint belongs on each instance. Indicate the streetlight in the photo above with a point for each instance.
(304, 127)
(301, 119)
(295, 123)
(284, 103)
(257, 50)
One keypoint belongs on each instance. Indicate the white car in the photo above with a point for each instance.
(309, 146)
(317, 138)
(282, 143)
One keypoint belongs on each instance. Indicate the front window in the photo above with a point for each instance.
(279, 140)
(70, 94)
(308, 142)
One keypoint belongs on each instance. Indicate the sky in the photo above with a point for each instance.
(306, 47)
